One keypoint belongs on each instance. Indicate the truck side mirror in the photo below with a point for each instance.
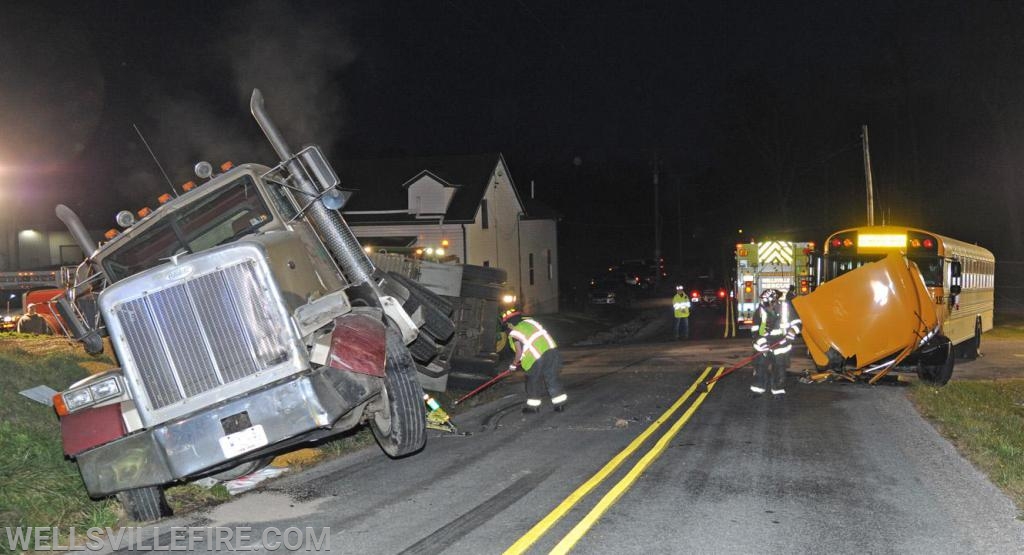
(321, 172)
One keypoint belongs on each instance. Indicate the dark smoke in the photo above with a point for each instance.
(294, 55)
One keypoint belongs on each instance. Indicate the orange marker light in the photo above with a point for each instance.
(444, 243)
(189, 186)
(59, 405)
(144, 211)
(164, 198)
(226, 166)
(111, 233)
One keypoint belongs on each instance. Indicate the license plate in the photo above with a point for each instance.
(244, 441)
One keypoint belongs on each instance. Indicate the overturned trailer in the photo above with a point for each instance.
(874, 320)
(475, 295)
(245, 318)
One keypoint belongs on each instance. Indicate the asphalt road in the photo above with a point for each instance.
(831, 468)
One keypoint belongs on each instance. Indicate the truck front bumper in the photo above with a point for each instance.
(192, 445)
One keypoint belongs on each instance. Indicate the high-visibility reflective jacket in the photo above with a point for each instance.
(533, 341)
(775, 323)
(681, 305)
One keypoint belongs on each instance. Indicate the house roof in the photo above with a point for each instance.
(381, 185)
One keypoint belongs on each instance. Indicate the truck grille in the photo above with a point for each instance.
(196, 335)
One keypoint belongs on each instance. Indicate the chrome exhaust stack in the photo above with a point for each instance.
(333, 229)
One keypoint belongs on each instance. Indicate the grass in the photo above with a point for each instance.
(985, 421)
(39, 487)
(1007, 327)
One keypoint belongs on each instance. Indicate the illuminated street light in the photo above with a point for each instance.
(9, 303)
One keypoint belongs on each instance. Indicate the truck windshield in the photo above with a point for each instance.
(234, 211)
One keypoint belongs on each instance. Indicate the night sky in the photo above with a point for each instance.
(751, 112)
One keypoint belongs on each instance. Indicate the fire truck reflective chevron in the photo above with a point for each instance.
(769, 265)
(775, 252)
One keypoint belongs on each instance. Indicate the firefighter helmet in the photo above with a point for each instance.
(510, 314)
(769, 296)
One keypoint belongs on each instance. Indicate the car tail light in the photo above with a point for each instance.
(721, 293)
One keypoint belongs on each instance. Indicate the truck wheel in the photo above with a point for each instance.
(145, 504)
(434, 309)
(400, 424)
(423, 349)
(938, 374)
(247, 467)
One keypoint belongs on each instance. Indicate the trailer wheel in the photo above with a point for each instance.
(938, 373)
(145, 504)
(400, 424)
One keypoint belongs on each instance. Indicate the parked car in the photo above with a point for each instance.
(609, 290)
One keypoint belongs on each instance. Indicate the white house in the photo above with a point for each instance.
(471, 203)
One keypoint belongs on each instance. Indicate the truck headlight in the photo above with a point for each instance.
(105, 389)
(91, 394)
(77, 399)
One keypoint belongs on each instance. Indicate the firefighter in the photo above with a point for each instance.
(776, 325)
(681, 306)
(537, 354)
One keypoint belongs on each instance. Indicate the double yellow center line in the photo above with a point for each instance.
(613, 495)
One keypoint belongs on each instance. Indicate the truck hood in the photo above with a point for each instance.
(876, 311)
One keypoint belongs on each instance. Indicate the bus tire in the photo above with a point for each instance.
(937, 368)
(969, 350)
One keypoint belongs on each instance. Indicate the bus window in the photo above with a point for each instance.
(931, 270)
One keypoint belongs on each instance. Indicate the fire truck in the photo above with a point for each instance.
(769, 265)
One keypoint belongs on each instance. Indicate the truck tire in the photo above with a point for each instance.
(247, 467)
(145, 504)
(400, 425)
(422, 293)
(435, 310)
(938, 369)
(483, 274)
(423, 349)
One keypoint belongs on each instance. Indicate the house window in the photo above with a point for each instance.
(484, 224)
(531, 268)
(487, 263)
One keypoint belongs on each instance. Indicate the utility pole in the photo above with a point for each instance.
(867, 175)
(657, 222)
(679, 221)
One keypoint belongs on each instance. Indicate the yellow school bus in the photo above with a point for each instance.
(959, 276)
